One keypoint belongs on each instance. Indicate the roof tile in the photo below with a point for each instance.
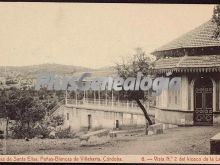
(201, 36)
(187, 62)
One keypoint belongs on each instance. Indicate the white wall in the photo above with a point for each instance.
(78, 118)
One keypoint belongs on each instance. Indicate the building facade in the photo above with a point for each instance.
(195, 57)
(88, 116)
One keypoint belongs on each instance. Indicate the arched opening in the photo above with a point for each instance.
(203, 101)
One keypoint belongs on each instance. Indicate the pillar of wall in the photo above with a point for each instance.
(184, 93)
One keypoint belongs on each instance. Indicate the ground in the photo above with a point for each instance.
(181, 140)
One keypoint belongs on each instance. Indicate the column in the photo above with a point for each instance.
(112, 98)
(184, 93)
(99, 96)
(84, 97)
(118, 98)
(94, 97)
(76, 97)
(66, 97)
(106, 97)
(132, 119)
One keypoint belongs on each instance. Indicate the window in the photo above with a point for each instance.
(174, 97)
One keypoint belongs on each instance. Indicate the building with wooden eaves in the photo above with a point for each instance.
(195, 57)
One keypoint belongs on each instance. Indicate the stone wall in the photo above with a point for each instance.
(78, 118)
(174, 117)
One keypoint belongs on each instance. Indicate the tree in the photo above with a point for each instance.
(29, 110)
(216, 19)
(23, 108)
(5, 108)
(139, 62)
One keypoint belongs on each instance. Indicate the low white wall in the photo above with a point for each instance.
(174, 117)
(78, 118)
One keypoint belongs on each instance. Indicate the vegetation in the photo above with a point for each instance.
(139, 62)
(216, 19)
(23, 108)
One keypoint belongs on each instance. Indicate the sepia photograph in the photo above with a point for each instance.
(97, 82)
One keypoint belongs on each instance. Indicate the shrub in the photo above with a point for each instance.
(44, 132)
(56, 120)
(52, 135)
(65, 133)
(19, 132)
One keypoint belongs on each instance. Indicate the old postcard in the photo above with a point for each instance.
(112, 83)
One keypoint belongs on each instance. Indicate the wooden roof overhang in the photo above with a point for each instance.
(196, 51)
(198, 38)
(187, 64)
(186, 70)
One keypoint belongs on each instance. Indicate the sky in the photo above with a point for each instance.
(90, 35)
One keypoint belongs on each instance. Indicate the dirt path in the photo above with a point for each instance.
(182, 140)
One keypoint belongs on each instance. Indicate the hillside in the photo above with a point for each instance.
(33, 70)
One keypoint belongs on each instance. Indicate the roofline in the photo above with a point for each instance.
(180, 37)
(182, 48)
(187, 69)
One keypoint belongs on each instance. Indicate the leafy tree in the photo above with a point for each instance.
(4, 108)
(139, 62)
(216, 19)
(56, 120)
(23, 108)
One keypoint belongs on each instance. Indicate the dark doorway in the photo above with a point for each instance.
(117, 124)
(203, 101)
(89, 122)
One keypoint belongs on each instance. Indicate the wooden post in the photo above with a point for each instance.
(76, 97)
(106, 97)
(94, 97)
(86, 99)
(132, 119)
(118, 99)
(112, 98)
(66, 97)
(99, 96)
(84, 96)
